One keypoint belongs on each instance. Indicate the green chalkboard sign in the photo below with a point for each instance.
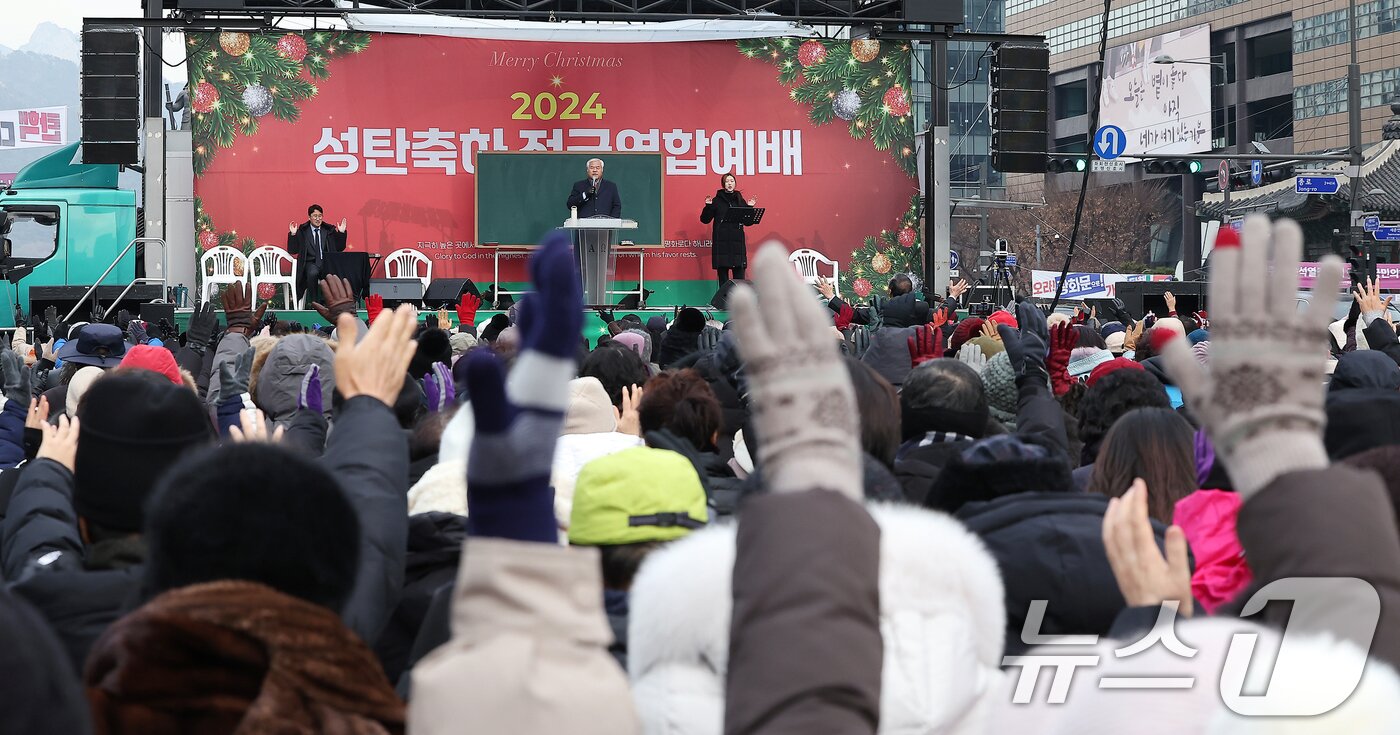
(521, 196)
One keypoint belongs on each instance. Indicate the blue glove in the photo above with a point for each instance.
(518, 421)
(439, 388)
(310, 398)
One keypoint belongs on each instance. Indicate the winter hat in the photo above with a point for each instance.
(1172, 324)
(689, 320)
(1115, 341)
(590, 409)
(141, 415)
(461, 342)
(1083, 360)
(1117, 363)
(1003, 317)
(78, 386)
(1198, 336)
(279, 379)
(100, 345)
(1158, 338)
(634, 342)
(156, 359)
(494, 327)
(999, 380)
(1056, 318)
(211, 505)
(995, 467)
(966, 330)
(433, 346)
(1111, 328)
(990, 347)
(1202, 352)
(636, 495)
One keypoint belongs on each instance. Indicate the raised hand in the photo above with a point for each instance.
(925, 344)
(291, 228)
(956, 290)
(1144, 576)
(136, 332)
(1028, 346)
(973, 357)
(375, 366)
(252, 428)
(1063, 338)
(38, 413)
(235, 375)
(629, 420)
(439, 388)
(340, 299)
(374, 304)
(1170, 298)
(341, 227)
(202, 323)
(709, 200)
(466, 310)
(1130, 340)
(238, 309)
(310, 396)
(804, 405)
(989, 329)
(826, 287)
(1261, 400)
(60, 442)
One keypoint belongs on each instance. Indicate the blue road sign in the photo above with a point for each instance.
(1110, 141)
(1011, 260)
(1390, 233)
(953, 259)
(1256, 172)
(1371, 223)
(1316, 185)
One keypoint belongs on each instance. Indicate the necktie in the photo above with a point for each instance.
(316, 236)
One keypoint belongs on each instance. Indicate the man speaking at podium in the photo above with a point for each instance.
(594, 196)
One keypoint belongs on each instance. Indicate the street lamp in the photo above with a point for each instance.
(1203, 61)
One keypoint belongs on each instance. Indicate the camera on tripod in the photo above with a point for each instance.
(1000, 249)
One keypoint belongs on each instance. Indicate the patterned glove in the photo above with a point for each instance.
(803, 402)
(1261, 400)
(438, 387)
(310, 397)
(1063, 338)
(518, 420)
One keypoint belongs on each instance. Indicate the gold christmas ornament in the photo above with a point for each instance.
(865, 50)
(234, 44)
(881, 263)
(238, 268)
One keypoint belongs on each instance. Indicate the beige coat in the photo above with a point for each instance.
(529, 649)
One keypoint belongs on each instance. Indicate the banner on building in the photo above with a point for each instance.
(1080, 286)
(1163, 107)
(383, 129)
(33, 127)
(1387, 276)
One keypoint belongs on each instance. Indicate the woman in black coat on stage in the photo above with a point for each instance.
(729, 252)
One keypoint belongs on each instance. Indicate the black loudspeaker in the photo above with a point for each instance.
(1140, 297)
(448, 292)
(721, 298)
(397, 290)
(938, 12)
(111, 95)
(153, 313)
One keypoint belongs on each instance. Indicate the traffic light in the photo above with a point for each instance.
(1066, 164)
(1020, 84)
(1172, 166)
(1359, 264)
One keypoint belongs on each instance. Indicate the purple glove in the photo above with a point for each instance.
(309, 398)
(439, 388)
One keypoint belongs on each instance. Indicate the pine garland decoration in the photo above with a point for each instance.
(820, 80)
(902, 259)
(279, 69)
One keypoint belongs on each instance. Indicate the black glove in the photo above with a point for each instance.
(41, 330)
(606, 315)
(51, 319)
(96, 314)
(234, 375)
(123, 320)
(1027, 347)
(166, 330)
(17, 376)
(202, 323)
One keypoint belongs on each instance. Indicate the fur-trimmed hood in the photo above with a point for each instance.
(941, 619)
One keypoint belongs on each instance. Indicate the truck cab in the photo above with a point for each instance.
(62, 224)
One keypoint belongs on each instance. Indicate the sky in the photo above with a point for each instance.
(18, 18)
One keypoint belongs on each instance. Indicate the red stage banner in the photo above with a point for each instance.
(381, 130)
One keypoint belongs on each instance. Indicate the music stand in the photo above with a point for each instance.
(743, 215)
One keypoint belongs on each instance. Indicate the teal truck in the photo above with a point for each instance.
(66, 227)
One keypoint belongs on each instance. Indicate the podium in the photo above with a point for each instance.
(594, 238)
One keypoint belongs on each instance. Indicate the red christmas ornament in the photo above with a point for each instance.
(907, 236)
(205, 97)
(266, 291)
(208, 240)
(896, 101)
(862, 287)
(292, 47)
(811, 52)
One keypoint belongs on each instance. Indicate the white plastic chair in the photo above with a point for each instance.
(404, 262)
(805, 261)
(229, 267)
(265, 266)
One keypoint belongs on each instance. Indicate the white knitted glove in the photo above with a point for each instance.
(1261, 401)
(803, 403)
(973, 357)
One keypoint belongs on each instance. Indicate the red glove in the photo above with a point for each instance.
(924, 345)
(1063, 338)
(940, 317)
(466, 310)
(374, 304)
(844, 316)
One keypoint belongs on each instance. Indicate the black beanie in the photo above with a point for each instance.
(690, 320)
(434, 345)
(253, 512)
(133, 427)
(494, 327)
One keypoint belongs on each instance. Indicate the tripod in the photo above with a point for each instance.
(1001, 277)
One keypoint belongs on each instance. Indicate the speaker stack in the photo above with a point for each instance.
(111, 96)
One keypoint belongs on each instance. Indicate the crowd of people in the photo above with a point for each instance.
(817, 517)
